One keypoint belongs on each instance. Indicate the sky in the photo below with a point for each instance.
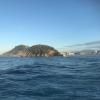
(57, 23)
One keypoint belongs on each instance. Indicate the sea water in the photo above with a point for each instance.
(50, 78)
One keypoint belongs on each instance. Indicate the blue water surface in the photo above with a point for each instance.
(50, 78)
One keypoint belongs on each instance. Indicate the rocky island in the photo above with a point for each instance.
(35, 50)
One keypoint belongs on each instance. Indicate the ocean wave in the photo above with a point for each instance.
(72, 79)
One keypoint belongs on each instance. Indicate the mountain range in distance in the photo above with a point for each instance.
(95, 45)
(90, 48)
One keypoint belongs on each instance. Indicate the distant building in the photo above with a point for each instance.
(67, 54)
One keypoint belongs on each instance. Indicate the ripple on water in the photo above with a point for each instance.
(53, 78)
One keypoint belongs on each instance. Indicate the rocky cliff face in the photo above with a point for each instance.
(36, 50)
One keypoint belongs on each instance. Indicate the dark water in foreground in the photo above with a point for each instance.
(53, 78)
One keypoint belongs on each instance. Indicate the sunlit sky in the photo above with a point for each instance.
(57, 23)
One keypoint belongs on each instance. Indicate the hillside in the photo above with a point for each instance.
(36, 50)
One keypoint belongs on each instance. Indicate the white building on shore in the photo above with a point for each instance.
(67, 54)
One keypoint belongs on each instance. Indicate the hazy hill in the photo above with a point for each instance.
(36, 50)
(95, 45)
